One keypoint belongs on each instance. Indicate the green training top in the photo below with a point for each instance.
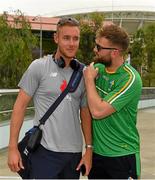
(117, 135)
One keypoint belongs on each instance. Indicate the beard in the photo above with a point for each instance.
(103, 60)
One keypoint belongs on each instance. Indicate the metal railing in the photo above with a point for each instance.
(8, 97)
(148, 93)
(7, 100)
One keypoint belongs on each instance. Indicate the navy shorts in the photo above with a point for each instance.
(123, 167)
(47, 164)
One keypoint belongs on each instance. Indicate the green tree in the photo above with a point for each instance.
(149, 34)
(89, 24)
(16, 43)
(137, 51)
(143, 54)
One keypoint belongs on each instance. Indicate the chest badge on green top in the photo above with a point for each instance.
(111, 84)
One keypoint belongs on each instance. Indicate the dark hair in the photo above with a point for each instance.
(115, 35)
(67, 21)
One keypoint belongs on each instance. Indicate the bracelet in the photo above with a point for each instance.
(88, 146)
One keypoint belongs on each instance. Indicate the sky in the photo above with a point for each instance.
(61, 7)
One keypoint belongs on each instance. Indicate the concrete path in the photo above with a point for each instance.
(146, 126)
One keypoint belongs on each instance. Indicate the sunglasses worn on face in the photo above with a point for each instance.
(98, 47)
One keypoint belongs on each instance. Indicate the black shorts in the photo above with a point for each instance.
(47, 164)
(122, 167)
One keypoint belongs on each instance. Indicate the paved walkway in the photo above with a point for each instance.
(146, 126)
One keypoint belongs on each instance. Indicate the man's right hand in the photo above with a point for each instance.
(14, 160)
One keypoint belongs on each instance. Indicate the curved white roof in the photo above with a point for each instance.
(65, 7)
(106, 6)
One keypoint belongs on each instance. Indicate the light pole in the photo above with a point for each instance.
(112, 14)
(41, 34)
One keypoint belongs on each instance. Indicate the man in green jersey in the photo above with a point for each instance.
(113, 91)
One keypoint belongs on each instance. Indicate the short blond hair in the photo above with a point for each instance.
(67, 21)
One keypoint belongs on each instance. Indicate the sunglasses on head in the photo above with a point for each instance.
(68, 20)
(98, 47)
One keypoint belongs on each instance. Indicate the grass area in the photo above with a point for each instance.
(6, 106)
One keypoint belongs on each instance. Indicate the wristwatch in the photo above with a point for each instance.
(89, 146)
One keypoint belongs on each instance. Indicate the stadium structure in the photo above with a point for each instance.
(130, 14)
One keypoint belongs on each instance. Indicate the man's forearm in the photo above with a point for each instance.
(86, 125)
(98, 107)
(94, 100)
(15, 126)
(17, 117)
